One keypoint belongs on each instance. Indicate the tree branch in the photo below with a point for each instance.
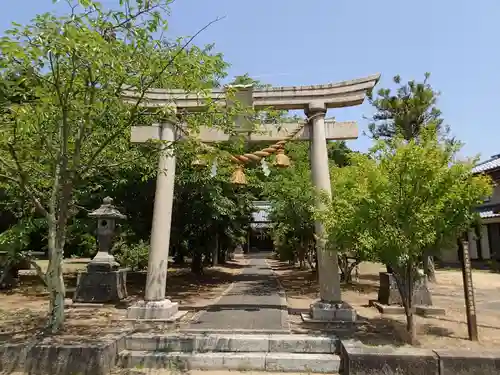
(132, 17)
(23, 183)
(38, 270)
(143, 93)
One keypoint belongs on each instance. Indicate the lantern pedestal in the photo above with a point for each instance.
(103, 282)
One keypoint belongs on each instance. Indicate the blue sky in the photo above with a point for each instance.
(292, 42)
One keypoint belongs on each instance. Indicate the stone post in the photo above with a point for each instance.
(329, 307)
(155, 305)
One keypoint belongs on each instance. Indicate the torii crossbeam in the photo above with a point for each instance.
(314, 100)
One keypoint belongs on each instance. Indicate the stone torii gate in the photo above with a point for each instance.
(314, 100)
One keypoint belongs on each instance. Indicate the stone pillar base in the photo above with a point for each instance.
(165, 310)
(330, 312)
(101, 287)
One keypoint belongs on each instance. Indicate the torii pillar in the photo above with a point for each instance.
(329, 307)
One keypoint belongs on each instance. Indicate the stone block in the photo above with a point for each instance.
(153, 360)
(388, 292)
(387, 309)
(173, 343)
(32, 358)
(162, 343)
(388, 360)
(153, 310)
(463, 362)
(101, 287)
(200, 361)
(246, 343)
(301, 344)
(303, 363)
(399, 310)
(429, 311)
(243, 361)
(213, 343)
(332, 312)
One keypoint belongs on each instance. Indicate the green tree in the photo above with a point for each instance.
(339, 153)
(419, 194)
(405, 113)
(76, 68)
(346, 225)
(210, 214)
(291, 195)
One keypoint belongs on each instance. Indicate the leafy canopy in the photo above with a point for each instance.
(420, 193)
(407, 111)
(345, 223)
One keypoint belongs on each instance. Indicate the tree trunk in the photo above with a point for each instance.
(405, 282)
(429, 269)
(55, 281)
(197, 262)
(302, 260)
(215, 251)
(179, 258)
(347, 272)
(310, 256)
(343, 265)
(222, 255)
(316, 266)
(410, 326)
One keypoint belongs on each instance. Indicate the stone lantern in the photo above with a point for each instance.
(104, 280)
(106, 216)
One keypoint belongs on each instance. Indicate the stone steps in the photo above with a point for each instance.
(242, 361)
(277, 343)
(243, 352)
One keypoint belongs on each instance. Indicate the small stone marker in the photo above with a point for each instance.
(104, 280)
(389, 299)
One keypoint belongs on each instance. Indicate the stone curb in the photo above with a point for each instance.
(272, 362)
(359, 359)
(37, 358)
(269, 343)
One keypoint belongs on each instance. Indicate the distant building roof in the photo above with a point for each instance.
(488, 215)
(261, 213)
(486, 211)
(488, 165)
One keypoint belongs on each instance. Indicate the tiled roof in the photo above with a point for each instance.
(487, 165)
(260, 225)
(486, 210)
(488, 215)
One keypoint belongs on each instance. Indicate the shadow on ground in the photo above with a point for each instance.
(304, 282)
(20, 322)
(371, 331)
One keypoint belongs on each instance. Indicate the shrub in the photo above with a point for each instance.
(133, 256)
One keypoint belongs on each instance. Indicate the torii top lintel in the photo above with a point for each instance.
(334, 95)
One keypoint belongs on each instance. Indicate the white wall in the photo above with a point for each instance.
(485, 242)
(472, 245)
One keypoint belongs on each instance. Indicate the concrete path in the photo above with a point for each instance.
(253, 302)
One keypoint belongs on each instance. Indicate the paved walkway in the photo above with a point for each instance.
(252, 303)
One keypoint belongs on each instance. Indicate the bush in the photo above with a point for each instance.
(133, 256)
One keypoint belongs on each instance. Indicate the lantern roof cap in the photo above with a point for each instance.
(107, 211)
